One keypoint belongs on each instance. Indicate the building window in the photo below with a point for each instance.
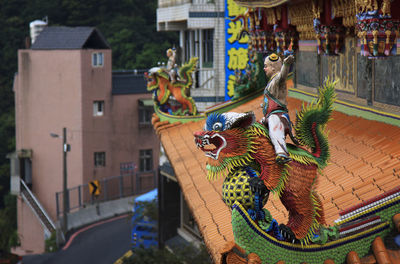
(145, 116)
(146, 160)
(208, 48)
(98, 108)
(146, 110)
(97, 59)
(99, 159)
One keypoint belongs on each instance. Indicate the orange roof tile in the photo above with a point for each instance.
(365, 162)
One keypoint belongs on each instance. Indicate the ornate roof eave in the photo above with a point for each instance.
(264, 3)
(260, 3)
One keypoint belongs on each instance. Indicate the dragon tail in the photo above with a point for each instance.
(187, 69)
(311, 123)
(186, 73)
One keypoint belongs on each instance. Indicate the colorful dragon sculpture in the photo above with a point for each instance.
(158, 81)
(239, 149)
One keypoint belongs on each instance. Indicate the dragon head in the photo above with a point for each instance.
(152, 78)
(225, 142)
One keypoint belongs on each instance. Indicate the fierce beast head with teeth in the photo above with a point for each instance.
(226, 142)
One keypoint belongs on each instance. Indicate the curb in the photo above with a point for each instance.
(72, 237)
(126, 255)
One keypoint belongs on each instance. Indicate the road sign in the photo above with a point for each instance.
(94, 187)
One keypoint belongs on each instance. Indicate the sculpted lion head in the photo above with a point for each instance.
(226, 142)
(152, 78)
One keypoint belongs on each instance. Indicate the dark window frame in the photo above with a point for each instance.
(97, 59)
(145, 114)
(99, 159)
(98, 108)
(145, 160)
(208, 48)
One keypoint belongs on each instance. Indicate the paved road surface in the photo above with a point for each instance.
(104, 243)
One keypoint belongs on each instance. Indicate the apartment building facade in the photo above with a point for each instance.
(65, 80)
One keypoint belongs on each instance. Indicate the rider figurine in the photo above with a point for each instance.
(171, 65)
(275, 112)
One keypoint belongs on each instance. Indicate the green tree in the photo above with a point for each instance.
(150, 209)
(8, 222)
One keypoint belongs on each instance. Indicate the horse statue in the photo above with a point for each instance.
(158, 80)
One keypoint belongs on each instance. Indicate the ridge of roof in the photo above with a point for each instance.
(61, 37)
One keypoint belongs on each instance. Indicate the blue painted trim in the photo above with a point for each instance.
(205, 14)
(208, 99)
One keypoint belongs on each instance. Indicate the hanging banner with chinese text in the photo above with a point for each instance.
(236, 52)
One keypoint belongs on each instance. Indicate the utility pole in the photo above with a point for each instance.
(66, 148)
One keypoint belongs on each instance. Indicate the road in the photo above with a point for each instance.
(104, 243)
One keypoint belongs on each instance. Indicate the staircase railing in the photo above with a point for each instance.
(37, 208)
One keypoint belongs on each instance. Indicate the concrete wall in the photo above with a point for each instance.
(127, 138)
(387, 81)
(364, 78)
(307, 68)
(96, 212)
(48, 98)
(96, 86)
(31, 235)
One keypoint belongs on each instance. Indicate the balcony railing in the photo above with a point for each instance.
(204, 78)
(168, 3)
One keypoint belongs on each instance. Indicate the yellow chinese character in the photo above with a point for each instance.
(234, 10)
(238, 59)
(231, 85)
(234, 29)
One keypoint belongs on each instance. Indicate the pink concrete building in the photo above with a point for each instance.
(65, 80)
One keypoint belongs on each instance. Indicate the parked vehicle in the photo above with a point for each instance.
(144, 230)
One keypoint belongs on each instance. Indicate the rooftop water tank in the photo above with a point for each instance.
(36, 27)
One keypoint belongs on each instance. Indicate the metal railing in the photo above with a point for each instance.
(168, 3)
(37, 208)
(111, 188)
(206, 78)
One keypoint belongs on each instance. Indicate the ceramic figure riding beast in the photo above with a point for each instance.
(235, 142)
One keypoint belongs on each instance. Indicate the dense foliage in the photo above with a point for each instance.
(8, 222)
(150, 209)
(128, 25)
(183, 254)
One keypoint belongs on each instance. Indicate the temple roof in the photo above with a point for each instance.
(365, 162)
(264, 3)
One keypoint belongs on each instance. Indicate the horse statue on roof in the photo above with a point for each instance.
(159, 81)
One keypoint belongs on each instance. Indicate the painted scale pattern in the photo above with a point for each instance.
(236, 188)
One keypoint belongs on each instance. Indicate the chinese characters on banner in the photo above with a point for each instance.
(236, 53)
